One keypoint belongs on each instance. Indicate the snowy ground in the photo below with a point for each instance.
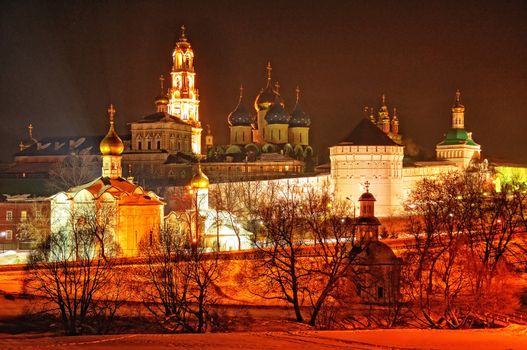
(512, 337)
(9, 257)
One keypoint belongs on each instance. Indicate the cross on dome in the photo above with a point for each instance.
(183, 36)
(111, 112)
(269, 69)
(297, 93)
(161, 80)
(367, 186)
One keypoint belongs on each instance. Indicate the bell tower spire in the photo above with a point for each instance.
(183, 95)
(458, 112)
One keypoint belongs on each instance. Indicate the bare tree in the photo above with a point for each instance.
(309, 245)
(280, 240)
(175, 282)
(72, 171)
(462, 231)
(337, 246)
(76, 274)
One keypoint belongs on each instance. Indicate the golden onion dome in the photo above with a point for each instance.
(267, 96)
(200, 180)
(111, 144)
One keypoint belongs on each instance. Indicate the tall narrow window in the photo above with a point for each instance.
(149, 145)
(9, 215)
(23, 216)
(279, 135)
(158, 144)
(380, 292)
(139, 145)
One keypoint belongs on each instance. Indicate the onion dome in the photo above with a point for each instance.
(200, 180)
(298, 117)
(240, 116)
(458, 107)
(277, 114)
(267, 96)
(111, 144)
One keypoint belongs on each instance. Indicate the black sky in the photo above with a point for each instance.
(62, 63)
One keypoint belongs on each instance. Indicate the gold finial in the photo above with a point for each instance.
(111, 113)
(30, 128)
(183, 36)
(161, 80)
(367, 186)
(277, 87)
(297, 90)
(458, 96)
(394, 111)
(269, 69)
(383, 99)
(241, 92)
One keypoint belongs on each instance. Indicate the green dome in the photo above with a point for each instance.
(458, 137)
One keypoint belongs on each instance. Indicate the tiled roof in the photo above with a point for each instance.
(367, 134)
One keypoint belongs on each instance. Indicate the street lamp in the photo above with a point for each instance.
(354, 206)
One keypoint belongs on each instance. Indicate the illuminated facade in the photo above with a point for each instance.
(129, 211)
(183, 95)
(271, 123)
(458, 145)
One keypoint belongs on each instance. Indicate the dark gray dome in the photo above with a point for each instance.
(277, 114)
(240, 116)
(299, 118)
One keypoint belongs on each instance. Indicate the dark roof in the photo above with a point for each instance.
(367, 134)
(65, 145)
(240, 116)
(161, 116)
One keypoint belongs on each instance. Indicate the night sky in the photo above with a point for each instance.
(62, 63)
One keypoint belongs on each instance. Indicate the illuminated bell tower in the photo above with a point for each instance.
(111, 148)
(183, 95)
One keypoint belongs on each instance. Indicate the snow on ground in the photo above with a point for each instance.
(512, 337)
(10, 257)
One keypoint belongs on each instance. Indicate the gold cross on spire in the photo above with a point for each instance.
(30, 128)
(383, 98)
(183, 36)
(111, 112)
(277, 87)
(458, 95)
(367, 186)
(297, 93)
(269, 69)
(161, 80)
(241, 91)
